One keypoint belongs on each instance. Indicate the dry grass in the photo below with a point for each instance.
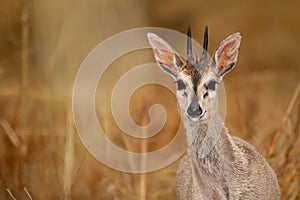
(41, 156)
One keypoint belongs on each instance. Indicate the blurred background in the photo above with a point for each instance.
(42, 44)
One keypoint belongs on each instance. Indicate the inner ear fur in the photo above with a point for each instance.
(165, 56)
(226, 55)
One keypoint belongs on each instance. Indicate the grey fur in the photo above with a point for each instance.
(216, 165)
(233, 169)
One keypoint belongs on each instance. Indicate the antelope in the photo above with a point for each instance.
(216, 165)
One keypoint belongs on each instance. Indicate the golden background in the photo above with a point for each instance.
(42, 44)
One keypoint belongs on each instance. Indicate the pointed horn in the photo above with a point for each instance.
(205, 44)
(189, 45)
(205, 41)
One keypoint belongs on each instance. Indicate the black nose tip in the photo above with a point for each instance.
(194, 110)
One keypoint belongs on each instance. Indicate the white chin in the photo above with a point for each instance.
(200, 118)
(195, 119)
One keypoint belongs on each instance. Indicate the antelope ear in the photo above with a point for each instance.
(226, 55)
(165, 55)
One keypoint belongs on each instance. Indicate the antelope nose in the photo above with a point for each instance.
(194, 110)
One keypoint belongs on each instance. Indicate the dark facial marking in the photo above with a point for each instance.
(180, 85)
(211, 85)
(195, 79)
(191, 70)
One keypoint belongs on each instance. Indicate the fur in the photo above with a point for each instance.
(216, 165)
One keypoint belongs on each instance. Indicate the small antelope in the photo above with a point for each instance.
(216, 165)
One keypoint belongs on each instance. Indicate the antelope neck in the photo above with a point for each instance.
(205, 136)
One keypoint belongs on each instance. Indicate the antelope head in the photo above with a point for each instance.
(197, 80)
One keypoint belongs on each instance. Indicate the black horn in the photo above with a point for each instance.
(189, 46)
(205, 44)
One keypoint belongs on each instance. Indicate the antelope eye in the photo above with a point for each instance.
(211, 85)
(180, 85)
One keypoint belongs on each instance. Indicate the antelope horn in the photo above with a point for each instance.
(189, 46)
(205, 45)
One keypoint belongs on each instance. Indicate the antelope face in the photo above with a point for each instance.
(196, 91)
(196, 80)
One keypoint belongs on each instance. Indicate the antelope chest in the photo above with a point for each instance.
(200, 182)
